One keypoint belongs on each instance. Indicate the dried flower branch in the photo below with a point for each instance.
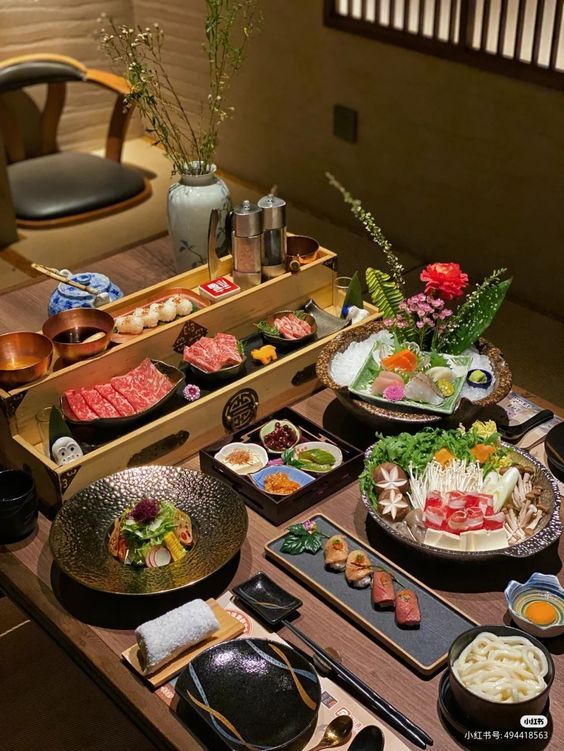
(189, 141)
(366, 218)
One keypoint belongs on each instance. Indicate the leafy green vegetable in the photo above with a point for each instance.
(302, 538)
(319, 456)
(385, 293)
(141, 537)
(354, 293)
(267, 328)
(474, 315)
(420, 448)
(437, 360)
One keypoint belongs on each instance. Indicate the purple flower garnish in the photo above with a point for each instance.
(394, 393)
(191, 392)
(145, 511)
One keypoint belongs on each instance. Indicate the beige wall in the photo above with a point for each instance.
(455, 163)
(66, 27)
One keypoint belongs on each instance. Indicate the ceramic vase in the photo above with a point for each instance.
(190, 202)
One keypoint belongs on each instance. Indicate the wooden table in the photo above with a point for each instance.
(94, 628)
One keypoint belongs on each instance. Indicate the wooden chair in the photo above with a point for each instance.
(51, 188)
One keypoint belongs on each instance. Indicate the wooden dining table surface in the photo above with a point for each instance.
(95, 628)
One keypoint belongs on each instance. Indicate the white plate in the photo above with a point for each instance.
(258, 451)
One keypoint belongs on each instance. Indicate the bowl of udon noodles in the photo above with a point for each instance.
(498, 674)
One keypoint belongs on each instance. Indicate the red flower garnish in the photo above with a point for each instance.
(445, 278)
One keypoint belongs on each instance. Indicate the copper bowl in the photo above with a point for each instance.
(24, 357)
(300, 250)
(72, 321)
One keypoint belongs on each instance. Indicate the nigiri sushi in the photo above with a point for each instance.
(383, 595)
(130, 324)
(384, 379)
(358, 569)
(183, 305)
(408, 614)
(422, 389)
(336, 552)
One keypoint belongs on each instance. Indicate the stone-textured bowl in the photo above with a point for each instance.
(548, 533)
(79, 535)
(373, 412)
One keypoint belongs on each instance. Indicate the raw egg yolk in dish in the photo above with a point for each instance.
(540, 612)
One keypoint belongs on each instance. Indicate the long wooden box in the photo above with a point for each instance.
(173, 436)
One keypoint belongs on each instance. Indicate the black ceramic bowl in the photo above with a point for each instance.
(492, 714)
(254, 693)
(18, 505)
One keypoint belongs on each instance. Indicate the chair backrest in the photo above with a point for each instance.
(28, 131)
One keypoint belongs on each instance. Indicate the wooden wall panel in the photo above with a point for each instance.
(66, 27)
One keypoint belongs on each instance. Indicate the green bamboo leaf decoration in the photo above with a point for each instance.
(384, 292)
(474, 315)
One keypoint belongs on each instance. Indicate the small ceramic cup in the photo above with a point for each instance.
(18, 505)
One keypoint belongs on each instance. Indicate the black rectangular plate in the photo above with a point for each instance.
(267, 599)
(278, 509)
(425, 648)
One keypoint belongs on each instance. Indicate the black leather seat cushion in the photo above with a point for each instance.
(58, 185)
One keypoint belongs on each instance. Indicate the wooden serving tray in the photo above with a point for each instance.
(278, 509)
(229, 628)
(425, 648)
(184, 427)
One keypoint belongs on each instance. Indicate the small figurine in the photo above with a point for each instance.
(265, 355)
(63, 447)
(65, 450)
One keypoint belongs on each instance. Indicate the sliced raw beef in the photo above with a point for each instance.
(210, 355)
(119, 402)
(292, 327)
(143, 387)
(79, 407)
(98, 404)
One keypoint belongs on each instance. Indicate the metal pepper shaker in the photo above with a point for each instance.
(273, 236)
(246, 244)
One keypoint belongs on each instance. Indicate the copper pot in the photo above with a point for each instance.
(24, 357)
(74, 324)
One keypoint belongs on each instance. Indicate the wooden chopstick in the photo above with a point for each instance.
(383, 708)
(56, 274)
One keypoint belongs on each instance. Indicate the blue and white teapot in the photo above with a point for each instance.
(66, 297)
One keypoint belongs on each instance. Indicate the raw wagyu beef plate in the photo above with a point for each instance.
(124, 396)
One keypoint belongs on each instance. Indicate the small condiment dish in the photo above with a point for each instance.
(539, 587)
(293, 474)
(270, 427)
(335, 452)
(258, 452)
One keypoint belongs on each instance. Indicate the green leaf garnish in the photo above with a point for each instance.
(302, 539)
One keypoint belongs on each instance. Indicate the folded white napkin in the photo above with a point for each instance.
(166, 637)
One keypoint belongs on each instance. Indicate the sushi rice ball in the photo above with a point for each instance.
(183, 305)
(130, 324)
(166, 310)
(150, 317)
